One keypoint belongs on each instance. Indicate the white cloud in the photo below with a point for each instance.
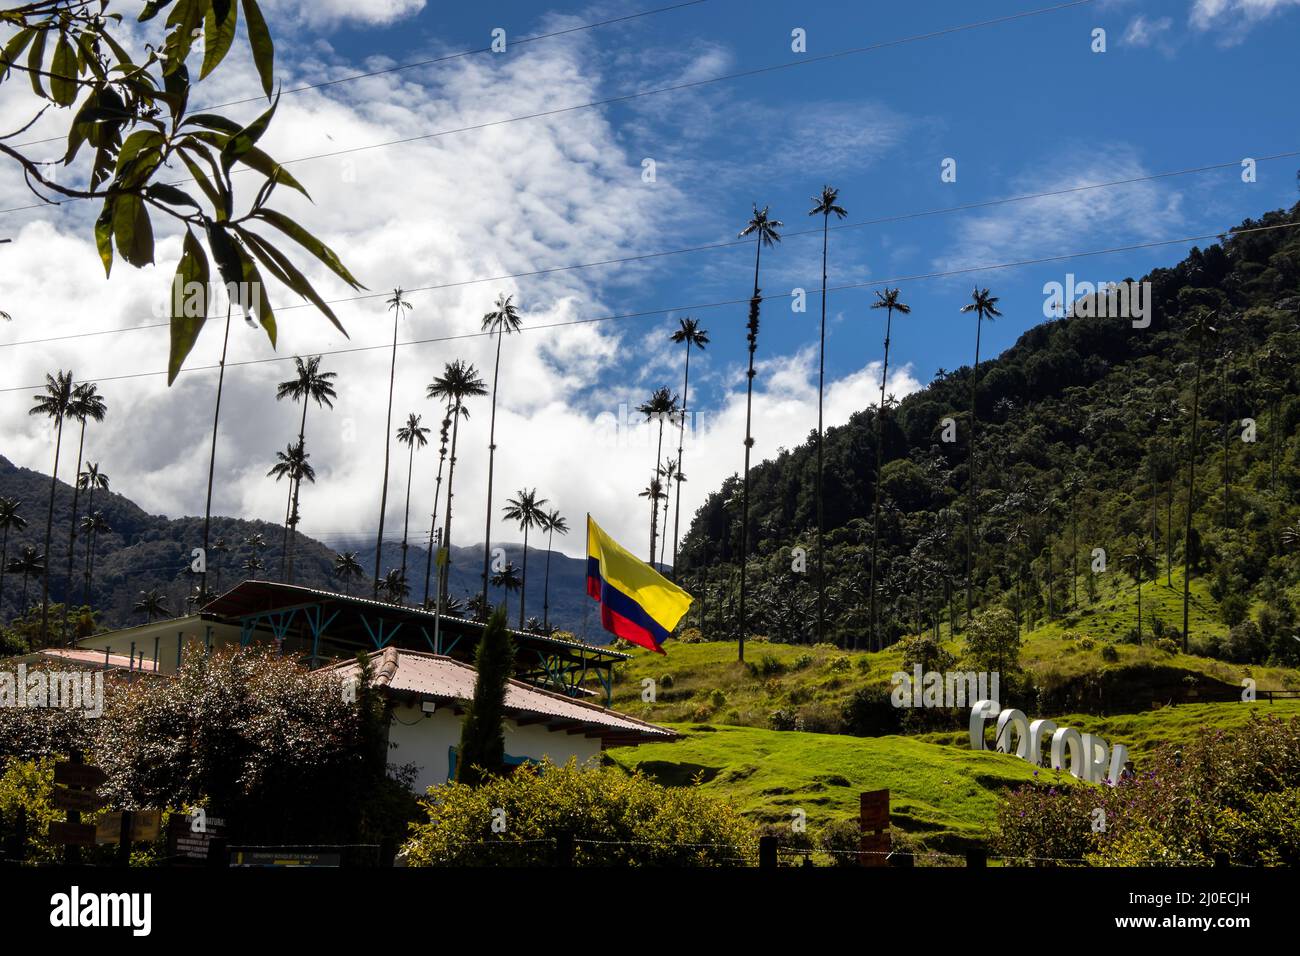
(509, 198)
(1142, 32)
(326, 14)
(1105, 217)
(1235, 17)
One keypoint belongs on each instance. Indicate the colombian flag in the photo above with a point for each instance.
(637, 603)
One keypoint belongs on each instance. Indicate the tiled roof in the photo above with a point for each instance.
(437, 677)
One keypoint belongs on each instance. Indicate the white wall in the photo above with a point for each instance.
(426, 742)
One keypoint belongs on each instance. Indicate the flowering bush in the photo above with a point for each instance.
(1231, 796)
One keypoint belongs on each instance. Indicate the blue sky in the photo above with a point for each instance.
(1023, 107)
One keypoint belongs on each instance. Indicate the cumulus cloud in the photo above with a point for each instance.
(432, 215)
(1142, 32)
(1235, 17)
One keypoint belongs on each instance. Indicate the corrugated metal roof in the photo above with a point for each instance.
(433, 676)
(77, 655)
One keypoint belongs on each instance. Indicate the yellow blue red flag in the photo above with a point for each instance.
(637, 603)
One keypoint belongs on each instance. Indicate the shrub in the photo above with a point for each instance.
(842, 841)
(1233, 608)
(608, 817)
(782, 719)
(864, 663)
(29, 785)
(717, 698)
(1109, 653)
(820, 718)
(1167, 645)
(769, 665)
(1245, 644)
(1087, 643)
(839, 664)
(869, 712)
(666, 681)
(1229, 794)
(993, 642)
(927, 652)
(801, 662)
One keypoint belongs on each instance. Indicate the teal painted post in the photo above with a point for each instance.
(156, 641)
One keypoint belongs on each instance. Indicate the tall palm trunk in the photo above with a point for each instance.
(406, 521)
(388, 438)
(681, 445)
(1169, 532)
(437, 497)
(72, 533)
(970, 484)
(291, 538)
(754, 304)
(212, 461)
(880, 464)
(492, 454)
(821, 511)
(85, 582)
(523, 584)
(1227, 465)
(4, 560)
(654, 505)
(1191, 497)
(49, 532)
(546, 583)
(444, 569)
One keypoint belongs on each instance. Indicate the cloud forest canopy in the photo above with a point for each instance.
(1084, 431)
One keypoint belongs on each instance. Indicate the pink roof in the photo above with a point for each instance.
(80, 655)
(442, 678)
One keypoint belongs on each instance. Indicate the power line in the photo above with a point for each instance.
(918, 277)
(418, 63)
(731, 243)
(673, 88)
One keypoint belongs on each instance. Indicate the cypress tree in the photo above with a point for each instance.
(482, 741)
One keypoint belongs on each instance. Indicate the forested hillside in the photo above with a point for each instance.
(1084, 461)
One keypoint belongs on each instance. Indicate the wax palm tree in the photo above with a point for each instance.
(508, 580)
(1140, 563)
(90, 480)
(395, 586)
(292, 464)
(151, 604)
(212, 453)
(889, 301)
(86, 405)
(985, 307)
(478, 606)
(92, 526)
(458, 383)
(11, 519)
(347, 569)
(308, 384)
(670, 472)
(1201, 331)
(691, 335)
(526, 510)
(444, 440)
(54, 403)
(764, 230)
(654, 492)
(661, 405)
(554, 522)
(413, 435)
(218, 547)
(453, 606)
(825, 206)
(254, 564)
(30, 563)
(503, 320)
(1018, 542)
(396, 304)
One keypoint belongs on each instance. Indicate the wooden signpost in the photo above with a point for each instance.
(75, 785)
(873, 820)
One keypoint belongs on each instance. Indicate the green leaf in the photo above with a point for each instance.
(183, 24)
(200, 177)
(259, 38)
(309, 242)
(171, 195)
(14, 48)
(219, 25)
(104, 236)
(192, 275)
(132, 230)
(243, 141)
(153, 8)
(255, 159)
(36, 62)
(288, 273)
(257, 290)
(63, 79)
(226, 253)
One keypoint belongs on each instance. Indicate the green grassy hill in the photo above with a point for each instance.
(943, 796)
